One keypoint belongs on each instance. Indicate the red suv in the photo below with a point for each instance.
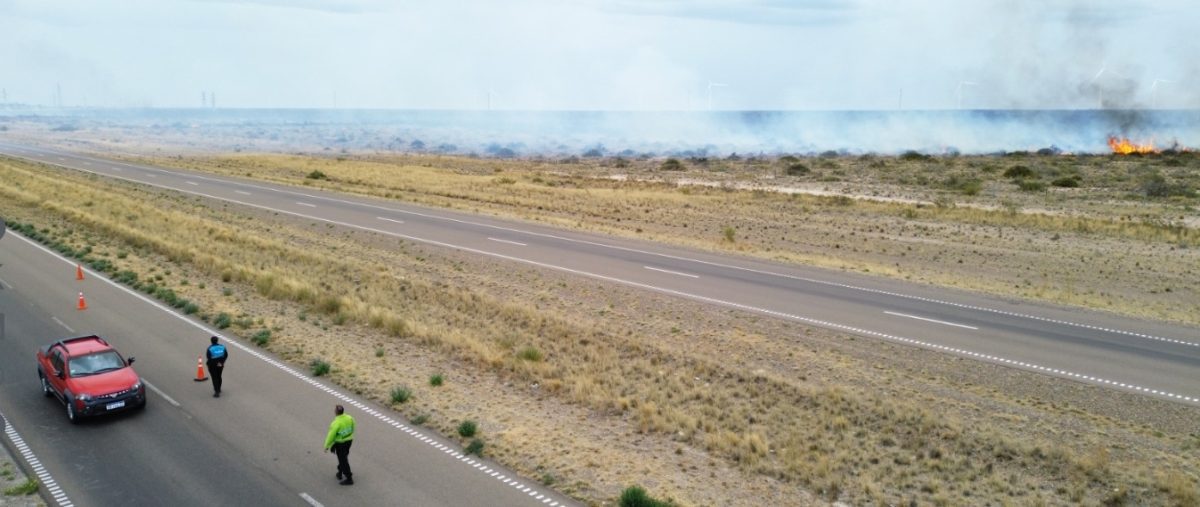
(90, 377)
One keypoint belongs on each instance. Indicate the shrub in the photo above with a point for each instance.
(1066, 182)
(635, 496)
(379, 352)
(329, 304)
(475, 447)
(29, 487)
(970, 187)
(728, 233)
(320, 367)
(401, 394)
(190, 308)
(671, 164)
(420, 419)
(530, 354)
(1031, 185)
(1018, 172)
(102, 265)
(126, 277)
(222, 321)
(317, 175)
(261, 338)
(797, 169)
(435, 379)
(468, 428)
(914, 155)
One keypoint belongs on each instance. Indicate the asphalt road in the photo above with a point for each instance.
(1151, 358)
(259, 444)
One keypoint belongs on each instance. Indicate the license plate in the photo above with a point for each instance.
(114, 405)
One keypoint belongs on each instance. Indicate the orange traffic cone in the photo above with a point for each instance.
(200, 377)
(78, 272)
(82, 303)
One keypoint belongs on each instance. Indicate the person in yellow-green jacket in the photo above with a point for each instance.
(341, 435)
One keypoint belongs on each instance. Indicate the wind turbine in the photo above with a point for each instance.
(1154, 91)
(711, 85)
(961, 84)
(1099, 90)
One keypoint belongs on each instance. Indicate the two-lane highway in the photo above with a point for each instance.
(1152, 358)
(259, 444)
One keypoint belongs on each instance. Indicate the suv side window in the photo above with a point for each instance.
(56, 359)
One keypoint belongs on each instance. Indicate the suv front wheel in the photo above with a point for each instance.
(46, 391)
(71, 415)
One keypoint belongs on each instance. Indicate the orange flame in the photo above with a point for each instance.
(1123, 146)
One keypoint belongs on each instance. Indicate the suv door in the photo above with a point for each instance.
(57, 364)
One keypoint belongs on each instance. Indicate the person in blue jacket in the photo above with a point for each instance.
(216, 354)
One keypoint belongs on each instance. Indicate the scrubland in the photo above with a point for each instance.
(592, 387)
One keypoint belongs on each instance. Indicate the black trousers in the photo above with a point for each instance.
(215, 372)
(343, 453)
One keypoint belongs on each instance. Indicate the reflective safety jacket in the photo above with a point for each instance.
(340, 430)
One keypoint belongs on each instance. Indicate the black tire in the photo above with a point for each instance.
(71, 415)
(46, 390)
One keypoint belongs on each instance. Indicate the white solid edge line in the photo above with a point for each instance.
(311, 501)
(61, 323)
(498, 240)
(160, 393)
(244, 348)
(926, 319)
(669, 272)
(393, 220)
(762, 272)
(4, 284)
(1061, 373)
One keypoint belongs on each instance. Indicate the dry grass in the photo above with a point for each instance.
(847, 428)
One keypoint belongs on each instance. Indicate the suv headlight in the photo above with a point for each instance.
(137, 386)
(84, 397)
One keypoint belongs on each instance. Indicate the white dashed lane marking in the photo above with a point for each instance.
(310, 500)
(160, 393)
(498, 240)
(669, 272)
(926, 319)
(59, 322)
(392, 220)
(243, 192)
(192, 183)
(311, 205)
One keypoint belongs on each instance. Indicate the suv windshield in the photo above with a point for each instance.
(95, 363)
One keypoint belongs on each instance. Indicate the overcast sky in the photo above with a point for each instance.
(603, 54)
